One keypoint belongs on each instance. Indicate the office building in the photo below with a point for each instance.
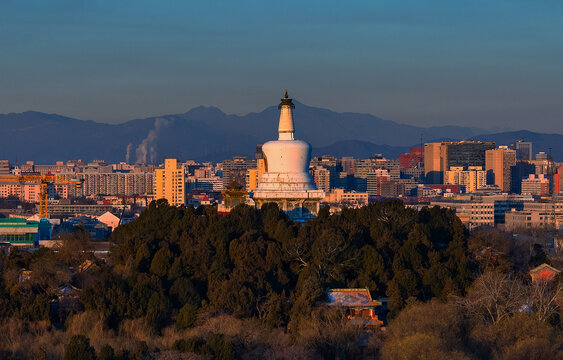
(435, 162)
(537, 185)
(235, 169)
(498, 164)
(19, 232)
(440, 156)
(523, 150)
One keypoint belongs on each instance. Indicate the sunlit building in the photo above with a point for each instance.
(287, 181)
(169, 182)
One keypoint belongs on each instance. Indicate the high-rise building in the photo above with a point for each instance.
(348, 164)
(537, 185)
(472, 178)
(498, 163)
(253, 176)
(440, 156)
(412, 159)
(287, 181)
(435, 162)
(235, 169)
(169, 183)
(332, 165)
(523, 150)
(321, 176)
(375, 179)
(518, 172)
(468, 153)
(113, 183)
(558, 181)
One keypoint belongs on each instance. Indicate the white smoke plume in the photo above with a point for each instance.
(147, 145)
(128, 153)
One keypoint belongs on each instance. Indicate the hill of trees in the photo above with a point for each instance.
(252, 284)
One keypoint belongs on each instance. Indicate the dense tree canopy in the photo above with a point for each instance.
(176, 269)
(258, 263)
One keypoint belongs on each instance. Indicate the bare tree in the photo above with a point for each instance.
(494, 296)
(543, 298)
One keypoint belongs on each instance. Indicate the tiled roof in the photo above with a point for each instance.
(544, 267)
(351, 298)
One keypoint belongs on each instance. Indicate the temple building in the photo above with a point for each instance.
(234, 195)
(287, 181)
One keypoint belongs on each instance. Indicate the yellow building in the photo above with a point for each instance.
(169, 183)
(473, 178)
(435, 161)
(498, 163)
(253, 176)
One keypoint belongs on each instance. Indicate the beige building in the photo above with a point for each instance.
(516, 220)
(321, 176)
(169, 182)
(497, 164)
(348, 197)
(435, 161)
(537, 185)
(473, 213)
(473, 178)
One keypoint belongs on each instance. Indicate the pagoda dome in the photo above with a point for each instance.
(287, 180)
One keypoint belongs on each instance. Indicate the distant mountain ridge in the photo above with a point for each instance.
(207, 133)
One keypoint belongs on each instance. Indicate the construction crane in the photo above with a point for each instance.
(43, 181)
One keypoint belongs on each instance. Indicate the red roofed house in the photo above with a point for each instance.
(544, 272)
(359, 305)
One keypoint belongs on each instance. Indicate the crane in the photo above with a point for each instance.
(43, 181)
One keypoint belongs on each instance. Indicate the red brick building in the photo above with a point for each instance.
(411, 159)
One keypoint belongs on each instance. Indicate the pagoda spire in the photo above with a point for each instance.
(286, 128)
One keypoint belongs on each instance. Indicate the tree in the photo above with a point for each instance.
(543, 297)
(106, 353)
(494, 296)
(79, 349)
(538, 256)
(157, 311)
(187, 316)
(221, 347)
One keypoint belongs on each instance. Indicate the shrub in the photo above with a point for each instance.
(221, 347)
(187, 316)
(79, 349)
(106, 353)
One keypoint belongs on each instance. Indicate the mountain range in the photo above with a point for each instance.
(208, 134)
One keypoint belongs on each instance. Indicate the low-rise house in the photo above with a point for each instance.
(544, 272)
(360, 307)
(109, 219)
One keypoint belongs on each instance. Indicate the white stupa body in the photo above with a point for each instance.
(287, 181)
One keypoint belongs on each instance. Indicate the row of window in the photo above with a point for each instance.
(30, 237)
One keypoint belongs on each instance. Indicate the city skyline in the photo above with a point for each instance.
(480, 64)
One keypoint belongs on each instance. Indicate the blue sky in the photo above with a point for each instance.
(488, 63)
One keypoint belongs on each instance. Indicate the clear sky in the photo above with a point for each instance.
(491, 63)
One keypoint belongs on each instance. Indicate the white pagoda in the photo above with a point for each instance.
(287, 181)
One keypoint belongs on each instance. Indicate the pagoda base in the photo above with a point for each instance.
(299, 205)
